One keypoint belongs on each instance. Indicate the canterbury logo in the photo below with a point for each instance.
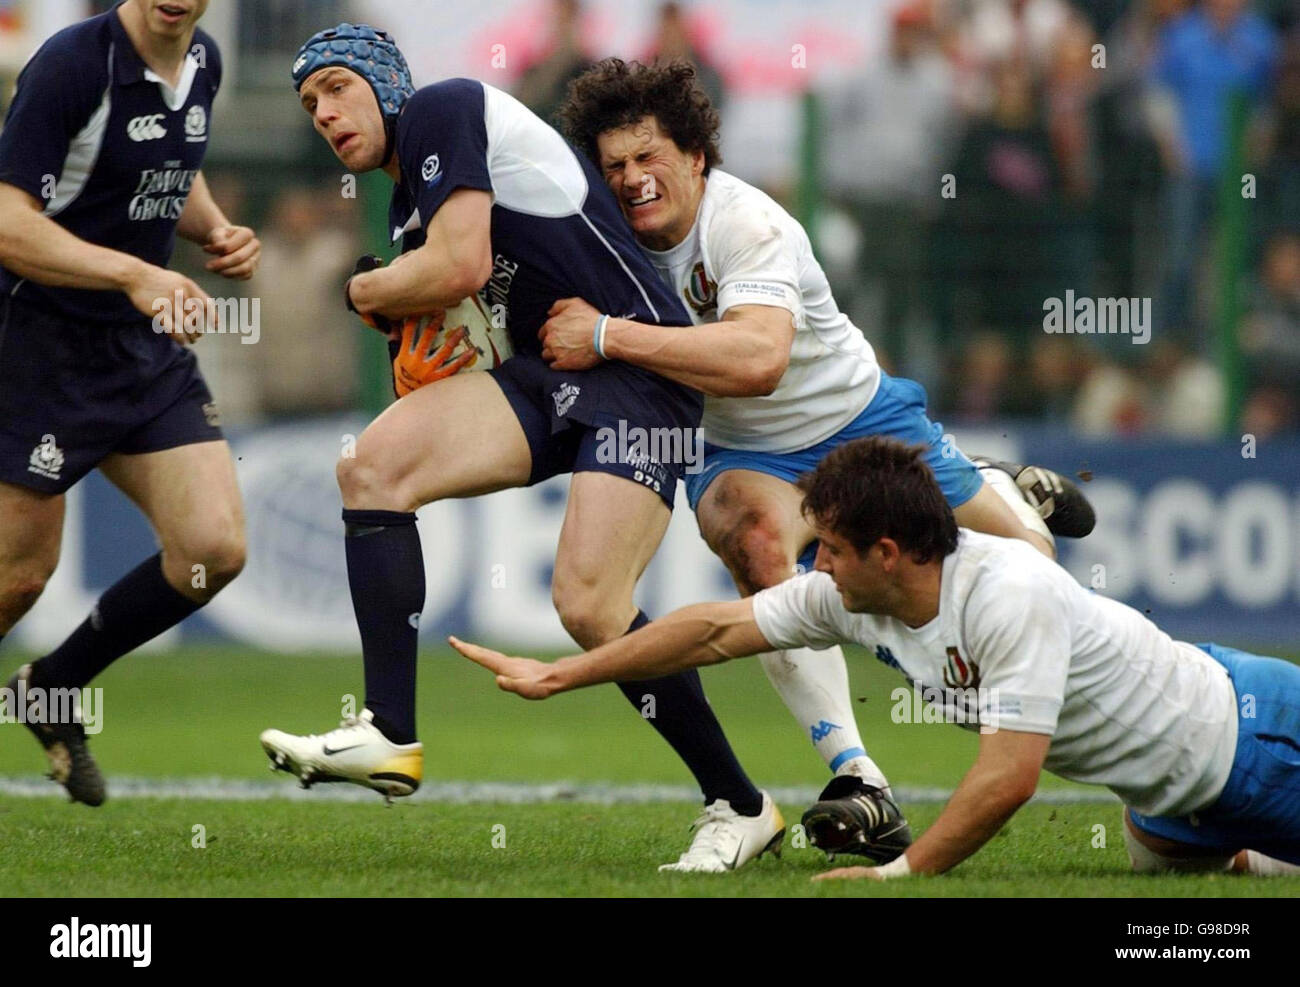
(146, 128)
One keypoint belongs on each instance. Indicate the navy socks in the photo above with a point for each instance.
(684, 718)
(135, 609)
(386, 576)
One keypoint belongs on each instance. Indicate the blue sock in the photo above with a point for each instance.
(386, 576)
(135, 609)
(684, 718)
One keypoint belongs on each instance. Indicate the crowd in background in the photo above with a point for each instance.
(1085, 147)
(993, 155)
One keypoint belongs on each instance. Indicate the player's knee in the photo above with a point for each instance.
(367, 482)
(20, 588)
(213, 559)
(754, 550)
(586, 613)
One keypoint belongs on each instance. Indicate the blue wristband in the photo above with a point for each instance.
(598, 336)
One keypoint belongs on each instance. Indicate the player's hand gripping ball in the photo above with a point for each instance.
(440, 344)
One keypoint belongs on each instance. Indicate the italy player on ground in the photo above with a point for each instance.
(787, 378)
(490, 197)
(1201, 742)
(100, 162)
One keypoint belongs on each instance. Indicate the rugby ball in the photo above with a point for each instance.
(491, 343)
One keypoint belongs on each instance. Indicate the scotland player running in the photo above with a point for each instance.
(99, 170)
(787, 379)
(1201, 742)
(489, 194)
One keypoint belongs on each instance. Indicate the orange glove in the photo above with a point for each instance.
(417, 362)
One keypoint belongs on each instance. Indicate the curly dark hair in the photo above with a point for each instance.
(614, 93)
(878, 487)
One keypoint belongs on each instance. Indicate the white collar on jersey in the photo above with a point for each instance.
(175, 98)
(413, 223)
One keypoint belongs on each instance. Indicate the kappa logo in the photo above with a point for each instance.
(820, 731)
(564, 398)
(46, 459)
(196, 124)
(146, 128)
(959, 672)
(429, 170)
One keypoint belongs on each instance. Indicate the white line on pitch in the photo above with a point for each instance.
(462, 792)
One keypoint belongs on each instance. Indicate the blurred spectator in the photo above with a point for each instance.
(1268, 412)
(673, 40)
(543, 84)
(1280, 194)
(1055, 373)
(1109, 400)
(994, 32)
(1185, 394)
(1129, 165)
(888, 131)
(985, 385)
(1069, 87)
(307, 355)
(1205, 60)
(1270, 335)
(998, 245)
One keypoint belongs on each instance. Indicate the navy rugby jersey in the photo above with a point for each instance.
(109, 148)
(557, 231)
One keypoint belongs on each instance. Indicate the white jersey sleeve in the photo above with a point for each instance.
(755, 261)
(1018, 631)
(802, 612)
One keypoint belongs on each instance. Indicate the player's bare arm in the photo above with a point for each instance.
(41, 250)
(237, 249)
(744, 355)
(1002, 779)
(454, 262)
(703, 634)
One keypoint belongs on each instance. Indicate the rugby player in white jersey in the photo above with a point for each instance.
(787, 378)
(1201, 742)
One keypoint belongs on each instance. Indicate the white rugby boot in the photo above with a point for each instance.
(725, 840)
(357, 752)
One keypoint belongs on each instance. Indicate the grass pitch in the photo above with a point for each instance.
(197, 713)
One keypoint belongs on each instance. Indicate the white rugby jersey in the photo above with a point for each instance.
(744, 249)
(1126, 706)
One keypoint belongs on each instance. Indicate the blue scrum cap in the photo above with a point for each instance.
(369, 53)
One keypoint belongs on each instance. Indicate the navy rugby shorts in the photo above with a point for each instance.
(73, 393)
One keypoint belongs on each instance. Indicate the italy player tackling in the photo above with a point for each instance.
(1201, 742)
(787, 377)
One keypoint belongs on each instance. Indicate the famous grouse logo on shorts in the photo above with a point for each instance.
(959, 672)
(564, 396)
(46, 459)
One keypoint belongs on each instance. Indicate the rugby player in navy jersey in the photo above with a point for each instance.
(100, 162)
(488, 194)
